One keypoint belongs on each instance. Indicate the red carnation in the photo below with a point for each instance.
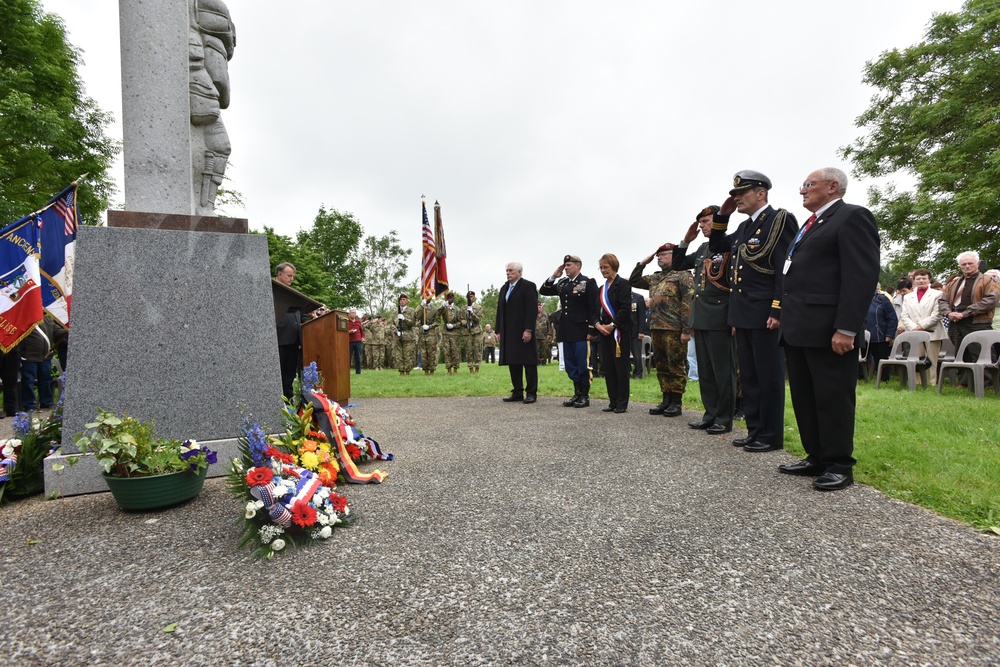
(339, 502)
(279, 455)
(303, 514)
(259, 476)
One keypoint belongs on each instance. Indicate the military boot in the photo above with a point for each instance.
(584, 400)
(664, 404)
(569, 403)
(674, 409)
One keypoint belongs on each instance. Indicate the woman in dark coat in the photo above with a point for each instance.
(615, 333)
(881, 324)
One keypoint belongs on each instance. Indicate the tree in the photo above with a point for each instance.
(333, 242)
(310, 277)
(385, 266)
(937, 117)
(489, 300)
(50, 131)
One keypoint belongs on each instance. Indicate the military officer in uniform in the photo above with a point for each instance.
(426, 317)
(714, 344)
(543, 335)
(578, 313)
(473, 333)
(669, 314)
(405, 336)
(757, 251)
(378, 343)
(451, 334)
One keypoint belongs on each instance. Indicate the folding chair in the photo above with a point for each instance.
(986, 363)
(863, 363)
(909, 353)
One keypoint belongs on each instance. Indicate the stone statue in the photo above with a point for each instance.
(211, 41)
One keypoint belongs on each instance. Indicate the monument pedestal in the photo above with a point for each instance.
(173, 326)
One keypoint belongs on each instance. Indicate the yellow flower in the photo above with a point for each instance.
(309, 460)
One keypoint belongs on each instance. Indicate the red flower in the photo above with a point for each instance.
(354, 451)
(279, 455)
(259, 476)
(290, 471)
(339, 502)
(303, 514)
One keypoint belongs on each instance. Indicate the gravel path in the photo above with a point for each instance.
(513, 534)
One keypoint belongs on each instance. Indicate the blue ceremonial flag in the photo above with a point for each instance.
(20, 283)
(57, 227)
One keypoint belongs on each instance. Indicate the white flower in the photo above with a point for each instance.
(279, 491)
(258, 504)
(278, 544)
(251, 512)
(322, 519)
(325, 532)
(8, 449)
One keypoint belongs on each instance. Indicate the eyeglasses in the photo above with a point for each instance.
(811, 184)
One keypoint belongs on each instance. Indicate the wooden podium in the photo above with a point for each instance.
(325, 340)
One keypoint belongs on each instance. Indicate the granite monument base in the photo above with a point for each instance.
(176, 327)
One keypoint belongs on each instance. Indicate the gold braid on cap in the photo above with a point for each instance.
(765, 250)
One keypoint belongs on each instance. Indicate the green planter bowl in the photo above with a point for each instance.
(155, 491)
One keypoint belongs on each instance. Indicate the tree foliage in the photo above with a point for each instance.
(332, 244)
(385, 267)
(50, 131)
(937, 117)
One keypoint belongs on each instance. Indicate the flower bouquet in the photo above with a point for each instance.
(21, 457)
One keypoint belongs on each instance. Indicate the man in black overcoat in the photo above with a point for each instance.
(830, 273)
(757, 249)
(517, 310)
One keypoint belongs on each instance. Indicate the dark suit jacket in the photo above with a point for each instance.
(832, 277)
(710, 307)
(756, 291)
(514, 315)
(620, 298)
(640, 323)
(290, 329)
(578, 305)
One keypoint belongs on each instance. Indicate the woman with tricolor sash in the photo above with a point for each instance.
(615, 333)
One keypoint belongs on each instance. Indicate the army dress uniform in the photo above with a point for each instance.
(451, 336)
(670, 295)
(714, 344)
(757, 252)
(578, 313)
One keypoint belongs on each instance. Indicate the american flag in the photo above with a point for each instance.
(428, 269)
(65, 206)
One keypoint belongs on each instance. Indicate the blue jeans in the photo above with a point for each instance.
(41, 371)
(356, 356)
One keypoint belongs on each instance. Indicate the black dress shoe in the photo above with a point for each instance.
(513, 398)
(739, 416)
(610, 408)
(758, 446)
(718, 429)
(618, 411)
(699, 425)
(805, 467)
(833, 481)
(530, 398)
(742, 442)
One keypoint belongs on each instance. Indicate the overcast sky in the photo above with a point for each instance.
(543, 127)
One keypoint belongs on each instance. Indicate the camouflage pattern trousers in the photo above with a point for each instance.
(406, 355)
(670, 359)
(474, 350)
(428, 345)
(451, 343)
(378, 356)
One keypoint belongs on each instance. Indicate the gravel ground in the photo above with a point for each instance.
(514, 534)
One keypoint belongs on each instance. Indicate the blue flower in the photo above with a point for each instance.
(255, 441)
(22, 424)
(310, 377)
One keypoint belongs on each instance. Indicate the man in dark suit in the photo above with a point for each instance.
(829, 276)
(757, 249)
(577, 315)
(714, 344)
(289, 334)
(517, 310)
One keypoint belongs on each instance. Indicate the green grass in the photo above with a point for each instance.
(938, 451)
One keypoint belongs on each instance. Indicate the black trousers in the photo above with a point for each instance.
(10, 366)
(530, 384)
(762, 374)
(617, 371)
(290, 361)
(716, 353)
(823, 386)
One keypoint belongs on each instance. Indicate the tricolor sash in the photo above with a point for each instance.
(610, 310)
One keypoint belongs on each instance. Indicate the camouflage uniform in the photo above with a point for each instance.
(670, 295)
(427, 341)
(405, 348)
(543, 336)
(366, 345)
(451, 339)
(473, 336)
(378, 345)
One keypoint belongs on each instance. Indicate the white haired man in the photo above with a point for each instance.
(968, 300)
